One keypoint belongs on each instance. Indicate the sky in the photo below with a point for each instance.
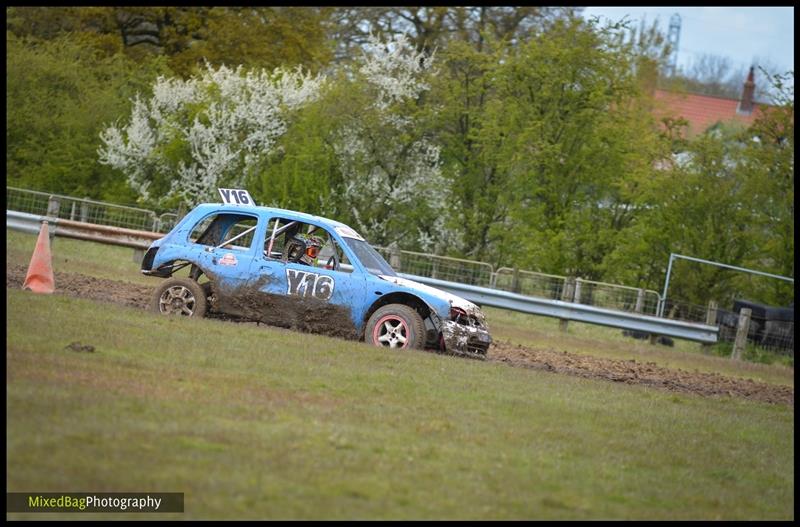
(741, 33)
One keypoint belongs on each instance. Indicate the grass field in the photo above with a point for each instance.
(254, 422)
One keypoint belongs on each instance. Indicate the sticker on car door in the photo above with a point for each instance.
(306, 284)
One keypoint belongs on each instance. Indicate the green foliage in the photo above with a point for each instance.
(60, 94)
(548, 151)
(303, 173)
(544, 143)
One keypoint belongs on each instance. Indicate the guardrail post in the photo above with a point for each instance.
(741, 333)
(567, 295)
(138, 256)
(394, 257)
(639, 301)
(711, 319)
(711, 314)
(53, 206)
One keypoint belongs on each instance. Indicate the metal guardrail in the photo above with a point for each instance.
(447, 268)
(577, 312)
(81, 231)
(480, 295)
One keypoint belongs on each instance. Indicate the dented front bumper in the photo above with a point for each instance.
(465, 340)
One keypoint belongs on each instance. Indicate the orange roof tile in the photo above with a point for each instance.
(702, 111)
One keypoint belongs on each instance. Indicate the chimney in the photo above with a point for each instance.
(746, 104)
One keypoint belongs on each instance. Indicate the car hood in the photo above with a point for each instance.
(455, 301)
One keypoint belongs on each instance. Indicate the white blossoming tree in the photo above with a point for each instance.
(360, 154)
(393, 187)
(194, 136)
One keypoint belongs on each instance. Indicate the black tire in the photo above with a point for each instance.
(390, 324)
(179, 296)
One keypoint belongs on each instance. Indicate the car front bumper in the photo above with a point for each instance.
(465, 340)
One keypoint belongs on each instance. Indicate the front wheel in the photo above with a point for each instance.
(395, 326)
(179, 296)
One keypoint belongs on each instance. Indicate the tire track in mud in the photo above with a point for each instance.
(562, 362)
(642, 373)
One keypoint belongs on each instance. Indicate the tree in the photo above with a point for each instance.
(767, 163)
(727, 197)
(212, 130)
(392, 187)
(265, 37)
(544, 143)
(60, 93)
(432, 27)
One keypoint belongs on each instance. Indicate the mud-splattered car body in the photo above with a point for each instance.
(252, 278)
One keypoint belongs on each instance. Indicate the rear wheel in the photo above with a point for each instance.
(395, 326)
(179, 296)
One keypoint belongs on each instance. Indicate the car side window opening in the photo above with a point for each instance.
(230, 231)
(292, 241)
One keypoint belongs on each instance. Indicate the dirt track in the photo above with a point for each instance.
(626, 371)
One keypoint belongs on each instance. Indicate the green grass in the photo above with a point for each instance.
(252, 422)
(76, 256)
(587, 339)
(106, 261)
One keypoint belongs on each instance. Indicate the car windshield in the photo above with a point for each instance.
(369, 257)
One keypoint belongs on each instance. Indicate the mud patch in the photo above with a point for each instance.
(88, 287)
(305, 314)
(327, 319)
(634, 372)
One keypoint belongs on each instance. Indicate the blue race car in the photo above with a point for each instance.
(304, 272)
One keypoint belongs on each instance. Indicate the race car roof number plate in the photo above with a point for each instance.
(235, 196)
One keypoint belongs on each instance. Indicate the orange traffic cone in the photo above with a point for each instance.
(40, 271)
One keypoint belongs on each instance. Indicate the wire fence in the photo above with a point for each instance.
(614, 296)
(770, 328)
(80, 209)
(771, 334)
(530, 283)
(439, 267)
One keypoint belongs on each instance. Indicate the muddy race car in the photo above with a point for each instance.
(304, 272)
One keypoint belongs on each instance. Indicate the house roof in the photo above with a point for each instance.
(703, 111)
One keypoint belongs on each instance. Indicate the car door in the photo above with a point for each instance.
(310, 297)
(225, 246)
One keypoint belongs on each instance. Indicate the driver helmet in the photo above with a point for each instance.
(312, 248)
(304, 249)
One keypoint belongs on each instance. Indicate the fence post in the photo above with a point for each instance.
(72, 211)
(741, 333)
(394, 257)
(84, 211)
(53, 206)
(639, 301)
(577, 296)
(711, 320)
(515, 281)
(567, 295)
(711, 314)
